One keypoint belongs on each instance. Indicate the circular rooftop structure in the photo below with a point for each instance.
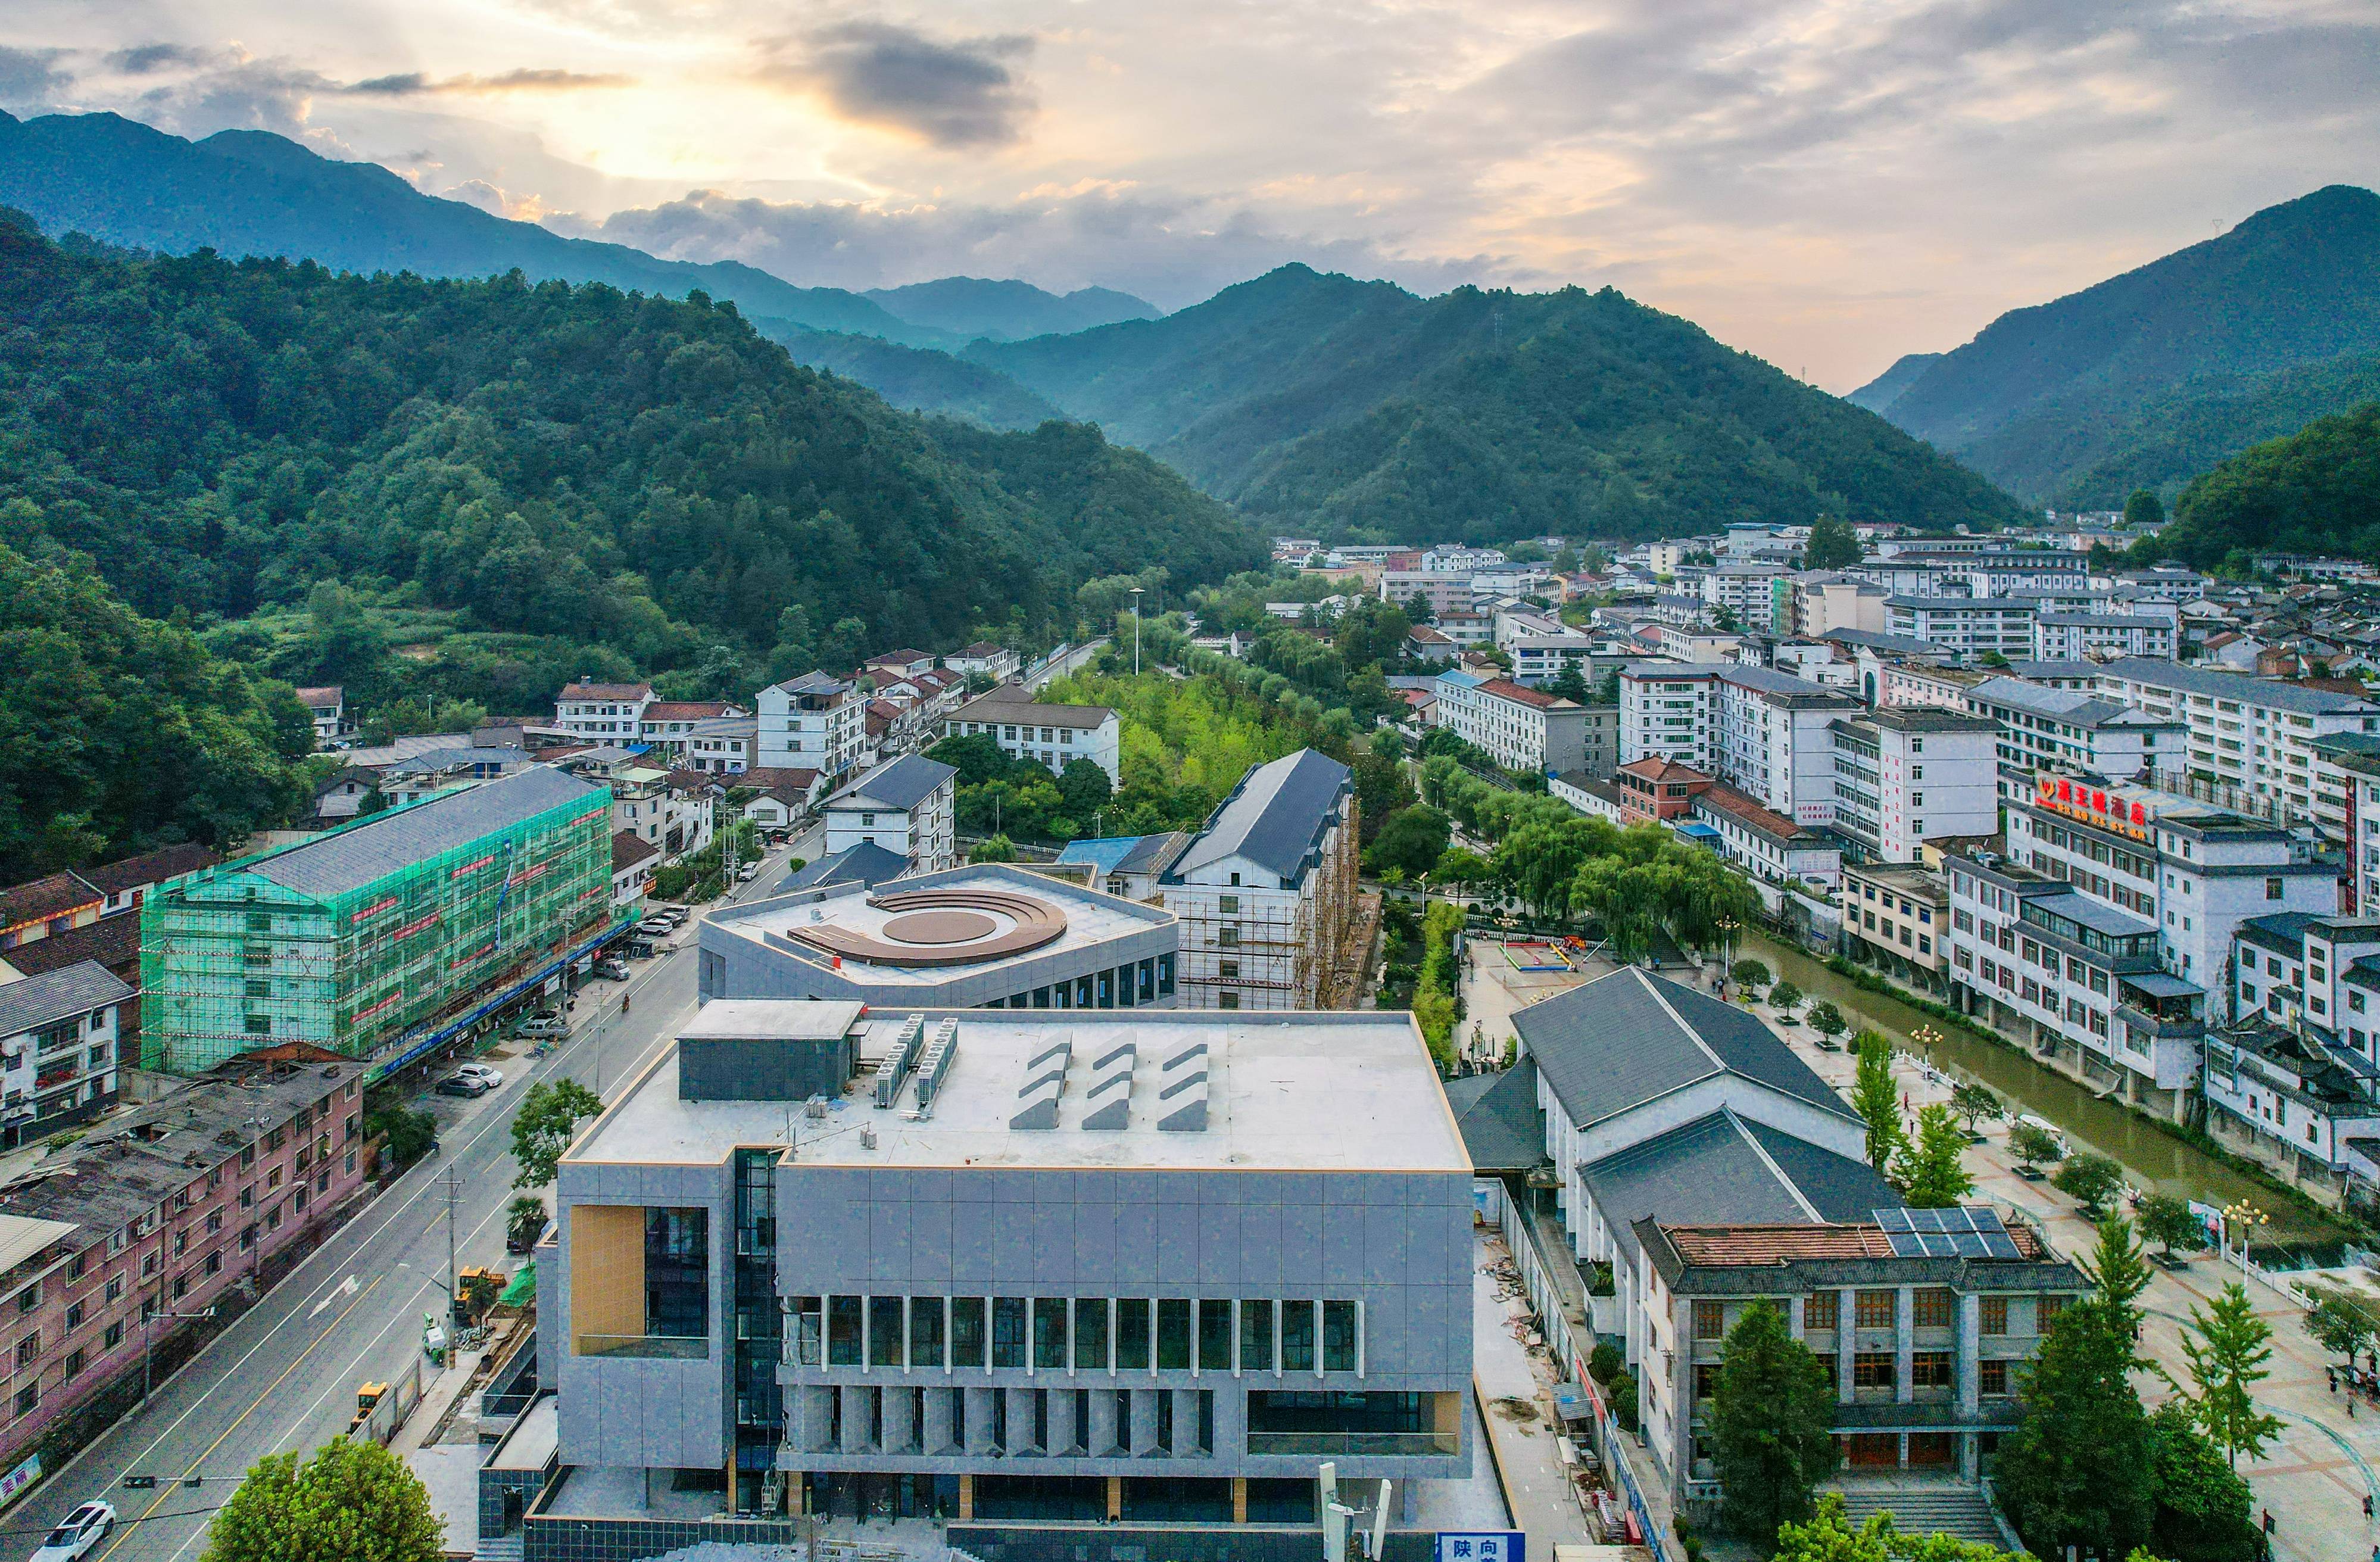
(942, 927)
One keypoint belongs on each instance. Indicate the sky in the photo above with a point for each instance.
(1825, 183)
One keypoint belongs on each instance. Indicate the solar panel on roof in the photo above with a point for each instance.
(1951, 1233)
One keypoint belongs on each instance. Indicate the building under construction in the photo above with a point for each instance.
(1267, 892)
(385, 938)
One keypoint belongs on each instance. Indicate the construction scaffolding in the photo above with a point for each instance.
(366, 938)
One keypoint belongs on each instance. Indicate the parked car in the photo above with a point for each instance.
(494, 1077)
(612, 970)
(657, 927)
(540, 1027)
(77, 1533)
(674, 915)
(466, 1085)
(747, 873)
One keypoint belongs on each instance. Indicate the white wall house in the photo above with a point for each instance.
(2071, 637)
(907, 807)
(1266, 892)
(1522, 729)
(602, 713)
(1055, 736)
(813, 722)
(2251, 733)
(1906, 776)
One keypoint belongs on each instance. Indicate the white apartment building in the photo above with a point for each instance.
(2293, 1085)
(1521, 728)
(908, 806)
(2251, 733)
(1744, 590)
(1446, 591)
(1668, 711)
(2042, 728)
(2103, 939)
(1761, 841)
(1905, 776)
(1055, 736)
(813, 722)
(723, 745)
(2071, 637)
(1966, 626)
(602, 713)
(1921, 683)
(1266, 892)
(1768, 734)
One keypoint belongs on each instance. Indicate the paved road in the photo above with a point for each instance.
(283, 1376)
(1074, 662)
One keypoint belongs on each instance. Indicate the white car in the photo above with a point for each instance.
(77, 1533)
(480, 1071)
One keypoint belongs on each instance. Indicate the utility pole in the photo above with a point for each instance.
(1136, 630)
(452, 1181)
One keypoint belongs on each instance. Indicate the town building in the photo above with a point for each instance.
(1926, 1318)
(2291, 1083)
(2044, 729)
(1443, 591)
(1768, 734)
(1591, 795)
(1266, 891)
(956, 1297)
(1824, 602)
(2252, 736)
(781, 798)
(1520, 728)
(722, 745)
(1423, 643)
(2167, 582)
(1653, 790)
(986, 936)
(1897, 917)
(1908, 775)
(907, 806)
(986, 660)
(385, 937)
(327, 704)
(1964, 626)
(59, 1033)
(813, 722)
(633, 861)
(112, 1243)
(1746, 591)
(47, 908)
(602, 713)
(668, 725)
(2071, 637)
(1055, 736)
(1131, 866)
(1762, 841)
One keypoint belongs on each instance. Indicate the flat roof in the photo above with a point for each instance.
(745, 1020)
(1301, 1091)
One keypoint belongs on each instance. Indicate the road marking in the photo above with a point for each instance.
(193, 1467)
(345, 1288)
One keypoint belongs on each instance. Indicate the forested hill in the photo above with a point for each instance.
(250, 193)
(2151, 376)
(1331, 403)
(619, 484)
(971, 306)
(2315, 491)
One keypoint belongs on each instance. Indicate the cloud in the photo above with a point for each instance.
(144, 58)
(413, 83)
(30, 78)
(964, 92)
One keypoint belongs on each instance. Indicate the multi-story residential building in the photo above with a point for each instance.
(987, 935)
(1917, 774)
(59, 1033)
(2165, 584)
(1653, 790)
(602, 713)
(1824, 602)
(1745, 591)
(1926, 1317)
(112, 1242)
(2103, 939)
(1766, 733)
(907, 806)
(2252, 734)
(1521, 728)
(2347, 770)
(888, 1317)
(327, 704)
(1935, 573)
(813, 722)
(1468, 631)
(2043, 729)
(47, 908)
(668, 725)
(1917, 683)
(1760, 840)
(723, 745)
(633, 861)
(1266, 892)
(2292, 1082)
(994, 662)
(1444, 591)
(1896, 916)
(659, 807)
(1055, 736)
(385, 937)
(1964, 626)
(2071, 637)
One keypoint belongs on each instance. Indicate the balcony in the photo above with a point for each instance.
(1375, 1445)
(670, 1347)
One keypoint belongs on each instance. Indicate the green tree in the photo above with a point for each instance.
(1931, 1166)
(1457, 866)
(2340, 1323)
(2032, 1144)
(1833, 546)
(350, 1502)
(523, 1220)
(2143, 508)
(1771, 1423)
(548, 1120)
(2169, 1222)
(1785, 997)
(1749, 975)
(1570, 684)
(409, 1134)
(1083, 787)
(2092, 1181)
(993, 849)
(2078, 1468)
(1976, 1104)
(1826, 1019)
(1827, 1536)
(2202, 1505)
(2119, 1267)
(1412, 841)
(1876, 1096)
(2228, 1349)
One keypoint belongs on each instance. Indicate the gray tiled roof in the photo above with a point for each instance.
(2161, 674)
(1720, 1170)
(1503, 1128)
(37, 1001)
(866, 863)
(904, 784)
(1275, 817)
(1625, 1038)
(388, 842)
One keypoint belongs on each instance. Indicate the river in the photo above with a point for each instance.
(2152, 1156)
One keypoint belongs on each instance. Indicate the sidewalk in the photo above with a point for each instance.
(1516, 1411)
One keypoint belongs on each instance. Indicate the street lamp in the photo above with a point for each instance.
(1136, 630)
(1727, 927)
(2248, 1217)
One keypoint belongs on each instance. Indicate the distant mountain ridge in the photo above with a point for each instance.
(2062, 400)
(971, 306)
(916, 379)
(1324, 402)
(1882, 391)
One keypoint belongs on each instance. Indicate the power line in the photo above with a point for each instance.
(123, 1523)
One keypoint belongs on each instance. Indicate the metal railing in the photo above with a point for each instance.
(677, 1348)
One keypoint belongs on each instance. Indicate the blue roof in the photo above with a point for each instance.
(1104, 853)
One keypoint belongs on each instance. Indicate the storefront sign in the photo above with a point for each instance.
(2108, 808)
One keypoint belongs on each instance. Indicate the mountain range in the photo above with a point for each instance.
(2152, 377)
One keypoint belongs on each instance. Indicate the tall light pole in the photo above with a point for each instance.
(452, 1181)
(1136, 630)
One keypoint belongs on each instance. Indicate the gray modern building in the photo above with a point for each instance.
(1049, 1267)
(983, 936)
